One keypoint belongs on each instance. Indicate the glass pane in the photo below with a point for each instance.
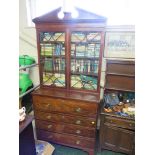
(52, 51)
(84, 82)
(52, 36)
(85, 52)
(54, 79)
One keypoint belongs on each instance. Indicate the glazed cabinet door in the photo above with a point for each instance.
(117, 139)
(85, 57)
(53, 58)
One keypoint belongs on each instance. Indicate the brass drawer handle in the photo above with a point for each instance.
(62, 101)
(49, 116)
(78, 110)
(92, 122)
(130, 124)
(49, 126)
(77, 142)
(78, 131)
(78, 122)
(62, 117)
(111, 121)
(48, 105)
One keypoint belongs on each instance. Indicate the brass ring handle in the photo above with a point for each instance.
(110, 121)
(78, 131)
(49, 126)
(78, 110)
(77, 142)
(78, 122)
(130, 124)
(49, 116)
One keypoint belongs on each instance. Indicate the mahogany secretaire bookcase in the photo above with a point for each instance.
(69, 56)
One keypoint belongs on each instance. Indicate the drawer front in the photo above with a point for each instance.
(77, 120)
(63, 128)
(120, 82)
(127, 69)
(120, 122)
(65, 106)
(66, 139)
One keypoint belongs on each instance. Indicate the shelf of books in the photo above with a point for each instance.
(85, 50)
(52, 54)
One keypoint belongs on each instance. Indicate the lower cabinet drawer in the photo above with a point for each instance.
(120, 122)
(75, 141)
(66, 128)
(77, 120)
(120, 82)
(72, 107)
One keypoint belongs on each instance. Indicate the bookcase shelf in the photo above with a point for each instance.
(88, 74)
(89, 58)
(85, 43)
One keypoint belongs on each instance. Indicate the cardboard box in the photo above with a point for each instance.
(44, 148)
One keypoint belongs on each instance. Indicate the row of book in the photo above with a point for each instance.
(89, 50)
(54, 65)
(79, 66)
(84, 66)
(52, 49)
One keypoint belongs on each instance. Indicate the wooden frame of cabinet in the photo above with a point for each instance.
(117, 133)
(87, 23)
(61, 103)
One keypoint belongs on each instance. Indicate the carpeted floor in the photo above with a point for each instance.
(63, 150)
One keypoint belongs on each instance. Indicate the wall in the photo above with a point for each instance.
(28, 46)
(27, 40)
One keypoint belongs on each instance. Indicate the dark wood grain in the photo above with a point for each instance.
(67, 115)
(63, 94)
(65, 106)
(66, 128)
(71, 119)
(120, 82)
(120, 122)
(117, 139)
(70, 140)
(117, 133)
(119, 68)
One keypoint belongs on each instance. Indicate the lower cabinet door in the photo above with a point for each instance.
(117, 139)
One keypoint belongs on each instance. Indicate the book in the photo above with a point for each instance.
(48, 64)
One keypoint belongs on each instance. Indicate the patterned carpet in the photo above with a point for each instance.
(63, 150)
